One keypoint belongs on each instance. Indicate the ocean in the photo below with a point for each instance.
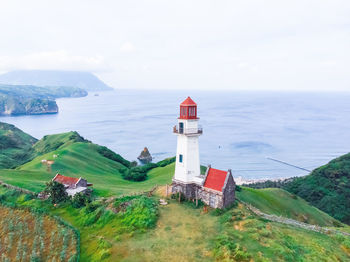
(242, 131)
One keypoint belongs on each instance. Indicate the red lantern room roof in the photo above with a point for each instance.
(188, 102)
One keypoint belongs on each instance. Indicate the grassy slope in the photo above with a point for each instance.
(15, 146)
(82, 159)
(183, 233)
(327, 188)
(279, 202)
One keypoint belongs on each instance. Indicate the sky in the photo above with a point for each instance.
(184, 44)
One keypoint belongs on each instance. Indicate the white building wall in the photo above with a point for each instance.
(188, 147)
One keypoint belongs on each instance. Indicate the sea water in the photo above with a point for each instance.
(242, 131)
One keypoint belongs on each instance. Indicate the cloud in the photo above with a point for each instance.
(54, 60)
(127, 47)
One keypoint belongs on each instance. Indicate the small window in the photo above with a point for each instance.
(180, 158)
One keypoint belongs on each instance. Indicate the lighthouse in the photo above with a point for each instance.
(187, 167)
(215, 188)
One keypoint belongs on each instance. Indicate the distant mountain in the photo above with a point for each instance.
(327, 188)
(84, 80)
(33, 100)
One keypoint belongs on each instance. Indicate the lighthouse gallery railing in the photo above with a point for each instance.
(187, 131)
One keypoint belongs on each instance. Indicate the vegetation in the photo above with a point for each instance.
(56, 192)
(327, 188)
(28, 234)
(280, 202)
(15, 146)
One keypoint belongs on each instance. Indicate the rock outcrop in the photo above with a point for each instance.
(145, 156)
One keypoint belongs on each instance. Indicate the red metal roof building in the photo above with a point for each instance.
(215, 179)
(66, 180)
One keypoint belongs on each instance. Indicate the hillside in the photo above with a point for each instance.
(327, 188)
(33, 100)
(30, 235)
(74, 156)
(279, 202)
(181, 232)
(83, 80)
(15, 146)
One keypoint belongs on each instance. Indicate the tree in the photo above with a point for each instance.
(80, 200)
(56, 192)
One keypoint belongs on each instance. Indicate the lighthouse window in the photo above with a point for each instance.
(180, 158)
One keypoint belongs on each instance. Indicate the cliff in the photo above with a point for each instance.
(33, 100)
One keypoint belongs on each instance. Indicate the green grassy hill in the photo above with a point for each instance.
(15, 146)
(74, 156)
(186, 233)
(279, 202)
(327, 188)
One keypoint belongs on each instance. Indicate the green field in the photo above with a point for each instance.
(280, 202)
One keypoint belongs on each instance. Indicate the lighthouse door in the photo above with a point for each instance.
(181, 128)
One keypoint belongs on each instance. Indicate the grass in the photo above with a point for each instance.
(15, 146)
(82, 160)
(280, 202)
(30, 180)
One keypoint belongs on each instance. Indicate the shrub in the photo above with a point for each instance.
(226, 249)
(166, 161)
(140, 215)
(104, 151)
(80, 200)
(56, 192)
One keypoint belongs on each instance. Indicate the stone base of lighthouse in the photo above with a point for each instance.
(188, 190)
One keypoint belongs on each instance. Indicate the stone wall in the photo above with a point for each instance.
(188, 190)
(229, 192)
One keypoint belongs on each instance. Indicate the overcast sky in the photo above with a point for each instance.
(232, 45)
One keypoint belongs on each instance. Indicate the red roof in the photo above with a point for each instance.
(188, 102)
(66, 180)
(215, 179)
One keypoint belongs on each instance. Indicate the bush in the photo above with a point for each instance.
(56, 192)
(104, 151)
(80, 200)
(141, 214)
(226, 249)
(166, 161)
(138, 173)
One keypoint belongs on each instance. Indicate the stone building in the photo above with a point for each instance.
(72, 185)
(216, 188)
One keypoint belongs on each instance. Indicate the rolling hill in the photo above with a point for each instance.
(327, 188)
(282, 203)
(15, 146)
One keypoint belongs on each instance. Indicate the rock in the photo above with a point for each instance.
(145, 156)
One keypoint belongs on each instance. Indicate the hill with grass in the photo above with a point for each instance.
(16, 147)
(124, 221)
(79, 79)
(136, 228)
(327, 188)
(33, 100)
(72, 155)
(282, 203)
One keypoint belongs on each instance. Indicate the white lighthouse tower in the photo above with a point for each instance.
(187, 167)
